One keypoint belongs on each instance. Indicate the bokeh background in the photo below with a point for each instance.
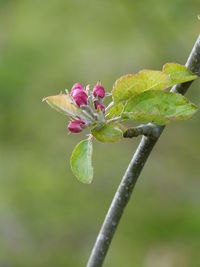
(48, 218)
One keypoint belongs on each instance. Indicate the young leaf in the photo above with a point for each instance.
(108, 133)
(178, 73)
(63, 103)
(132, 84)
(158, 107)
(81, 161)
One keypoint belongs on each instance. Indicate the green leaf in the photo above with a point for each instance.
(158, 107)
(114, 111)
(108, 133)
(81, 161)
(178, 73)
(63, 103)
(133, 84)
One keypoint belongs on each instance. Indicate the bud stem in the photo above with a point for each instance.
(114, 119)
(89, 111)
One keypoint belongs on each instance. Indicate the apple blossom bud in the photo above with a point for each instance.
(100, 105)
(99, 91)
(76, 126)
(77, 86)
(80, 97)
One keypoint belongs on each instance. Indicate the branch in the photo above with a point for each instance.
(148, 130)
(132, 173)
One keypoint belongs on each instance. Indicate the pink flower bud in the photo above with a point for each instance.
(80, 97)
(100, 105)
(98, 91)
(76, 126)
(77, 86)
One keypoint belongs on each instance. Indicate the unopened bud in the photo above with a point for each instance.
(98, 104)
(99, 91)
(76, 126)
(77, 86)
(80, 97)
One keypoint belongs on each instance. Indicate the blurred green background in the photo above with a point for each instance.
(48, 218)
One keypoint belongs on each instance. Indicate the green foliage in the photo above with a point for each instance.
(178, 73)
(108, 133)
(158, 107)
(139, 97)
(63, 104)
(81, 161)
(115, 110)
(132, 84)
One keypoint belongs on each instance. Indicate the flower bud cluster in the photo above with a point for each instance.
(91, 102)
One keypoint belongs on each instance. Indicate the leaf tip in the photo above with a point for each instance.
(44, 99)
